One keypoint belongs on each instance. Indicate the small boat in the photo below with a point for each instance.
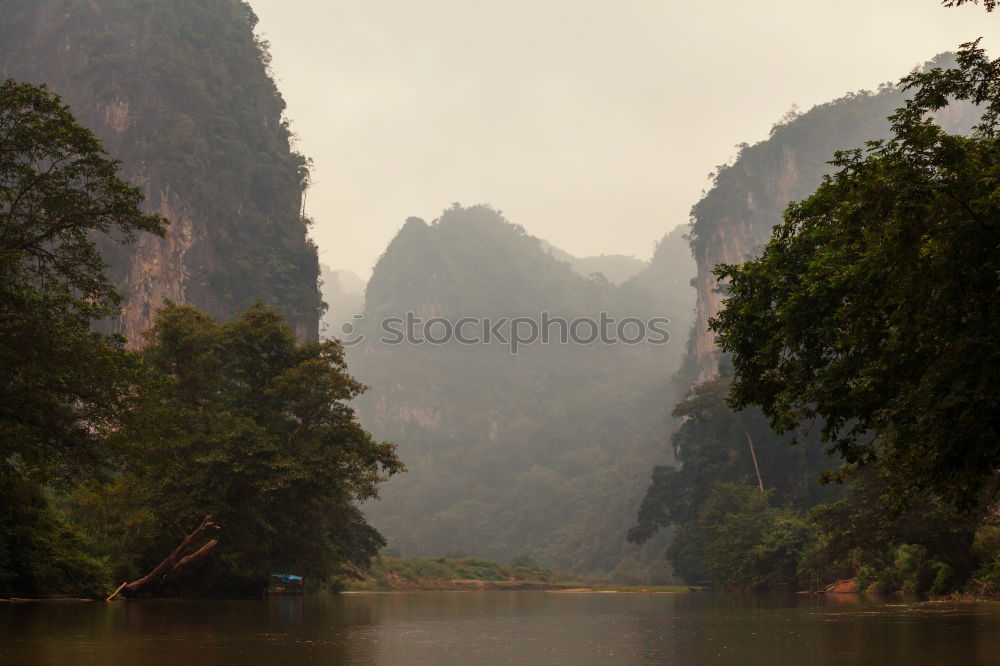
(285, 584)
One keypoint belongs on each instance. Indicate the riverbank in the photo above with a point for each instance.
(632, 589)
(389, 574)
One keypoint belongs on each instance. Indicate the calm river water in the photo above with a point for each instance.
(471, 628)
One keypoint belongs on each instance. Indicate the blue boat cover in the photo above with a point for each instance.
(287, 578)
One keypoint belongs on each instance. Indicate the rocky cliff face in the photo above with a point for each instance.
(178, 90)
(734, 219)
(735, 235)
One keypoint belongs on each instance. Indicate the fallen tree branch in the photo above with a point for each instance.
(191, 560)
(173, 565)
(115, 593)
(983, 586)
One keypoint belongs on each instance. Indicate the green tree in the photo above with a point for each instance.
(251, 427)
(61, 384)
(713, 446)
(865, 529)
(40, 552)
(749, 544)
(875, 307)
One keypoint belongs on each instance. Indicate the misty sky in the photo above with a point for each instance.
(592, 123)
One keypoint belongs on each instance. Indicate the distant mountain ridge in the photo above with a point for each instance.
(617, 268)
(538, 453)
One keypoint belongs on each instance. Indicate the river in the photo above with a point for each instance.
(472, 628)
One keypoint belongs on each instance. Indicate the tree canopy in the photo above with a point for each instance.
(874, 308)
(61, 384)
(63, 387)
(713, 447)
(250, 426)
(238, 420)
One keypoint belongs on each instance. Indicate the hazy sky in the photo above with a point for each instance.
(592, 123)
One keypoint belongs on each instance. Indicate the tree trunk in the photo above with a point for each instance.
(753, 455)
(173, 565)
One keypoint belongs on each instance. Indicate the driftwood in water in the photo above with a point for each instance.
(173, 565)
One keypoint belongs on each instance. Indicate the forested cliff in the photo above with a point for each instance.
(747, 509)
(733, 221)
(179, 91)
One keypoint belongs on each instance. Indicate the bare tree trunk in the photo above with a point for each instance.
(173, 565)
(756, 467)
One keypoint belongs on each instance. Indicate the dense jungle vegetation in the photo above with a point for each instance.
(867, 328)
(851, 431)
(109, 457)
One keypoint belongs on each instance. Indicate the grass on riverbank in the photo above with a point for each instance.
(644, 589)
(475, 573)
(441, 573)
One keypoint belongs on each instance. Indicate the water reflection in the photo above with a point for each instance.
(471, 628)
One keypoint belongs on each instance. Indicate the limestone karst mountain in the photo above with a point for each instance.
(179, 92)
(733, 220)
(530, 453)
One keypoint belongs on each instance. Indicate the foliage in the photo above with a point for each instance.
(252, 427)
(987, 549)
(61, 385)
(989, 5)
(712, 446)
(441, 573)
(741, 540)
(849, 537)
(40, 553)
(874, 305)
(180, 92)
(868, 316)
(747, 543)
(869, 528)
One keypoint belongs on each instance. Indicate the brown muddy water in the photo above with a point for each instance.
(472, 628)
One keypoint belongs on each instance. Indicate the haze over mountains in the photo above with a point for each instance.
(540, 450)
(516, 454)
(528, 455)
(575, 117)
